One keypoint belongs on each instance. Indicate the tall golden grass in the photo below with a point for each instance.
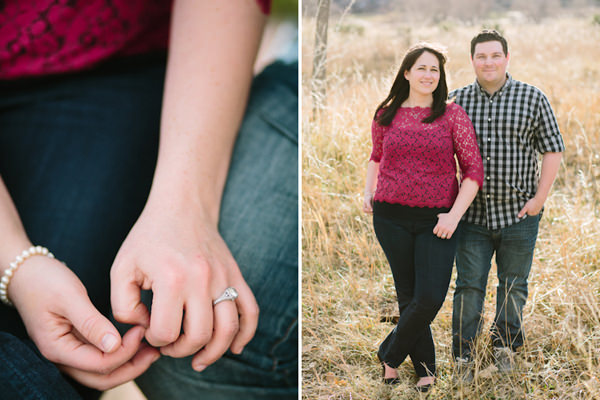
(347, 286)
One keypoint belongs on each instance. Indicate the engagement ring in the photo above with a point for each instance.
(229, 294)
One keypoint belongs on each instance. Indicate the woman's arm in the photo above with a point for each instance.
(370, 186)
(471, 167)
(174, 249)
(59, 316)
(447, 222)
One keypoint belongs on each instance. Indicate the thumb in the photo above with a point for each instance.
(522, 212)
(93, 326)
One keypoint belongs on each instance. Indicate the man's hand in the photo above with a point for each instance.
(532, 207)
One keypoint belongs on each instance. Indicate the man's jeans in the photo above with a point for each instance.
(514, 247)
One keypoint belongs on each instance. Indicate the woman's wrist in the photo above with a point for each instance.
(14, 267)
(11, 248)
(185, 204)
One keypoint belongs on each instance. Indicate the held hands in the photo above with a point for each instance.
(532, 207)
(446, 225)
(69, 331)
(187, 265)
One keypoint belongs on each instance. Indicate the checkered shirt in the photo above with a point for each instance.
(512, 126)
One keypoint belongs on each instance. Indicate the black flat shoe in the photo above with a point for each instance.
(424, 388)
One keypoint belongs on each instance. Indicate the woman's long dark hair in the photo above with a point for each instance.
(401, 88)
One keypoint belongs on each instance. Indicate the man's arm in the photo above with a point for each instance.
(550, 166)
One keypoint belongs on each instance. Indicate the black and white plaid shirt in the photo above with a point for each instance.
(512, 126)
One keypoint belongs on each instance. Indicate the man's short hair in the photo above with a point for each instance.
(489, 35)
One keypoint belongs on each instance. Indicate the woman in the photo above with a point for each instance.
(417, 204)
(81, 172)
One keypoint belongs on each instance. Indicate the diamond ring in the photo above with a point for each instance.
(229, 294)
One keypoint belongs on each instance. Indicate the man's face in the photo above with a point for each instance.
(489, 63)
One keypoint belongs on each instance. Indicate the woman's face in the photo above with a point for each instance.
(424, 75)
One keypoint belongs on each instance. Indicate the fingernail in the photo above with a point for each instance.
(199, 367)
(109, 341)
(237, 350)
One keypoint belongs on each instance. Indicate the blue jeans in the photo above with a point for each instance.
(421, 264)
(259, 223)
(26, 375)
(514, 247)
(77, 154)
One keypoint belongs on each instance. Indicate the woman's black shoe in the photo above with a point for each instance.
(424, 388)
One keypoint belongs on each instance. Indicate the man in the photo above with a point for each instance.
(514, 122)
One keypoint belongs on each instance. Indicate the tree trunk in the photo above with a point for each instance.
(319, 90)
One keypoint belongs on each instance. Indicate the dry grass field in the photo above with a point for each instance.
(346, 285)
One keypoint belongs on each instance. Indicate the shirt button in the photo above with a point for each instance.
(489, 120)
(487, 195)
(487, 177)
(491, 101)
(487, 158)
(489, 139)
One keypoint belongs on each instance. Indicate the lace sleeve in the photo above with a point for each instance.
(377, 138)
(465, 146)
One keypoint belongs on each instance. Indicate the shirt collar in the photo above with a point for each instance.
(507, 84)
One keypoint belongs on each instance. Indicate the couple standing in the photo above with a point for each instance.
(496, 127)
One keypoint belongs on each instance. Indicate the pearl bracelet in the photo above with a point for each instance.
(9, 272)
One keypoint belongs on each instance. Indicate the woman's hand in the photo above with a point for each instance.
(178, 254)
(69, 331)
(368, 203)
(447, 223)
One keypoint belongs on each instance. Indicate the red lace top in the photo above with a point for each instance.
(40, 37)
(417, 166)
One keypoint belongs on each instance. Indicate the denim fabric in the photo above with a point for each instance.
(421, 264)
(26, 375)
(77, 154)
(514, 247)
(259, 223)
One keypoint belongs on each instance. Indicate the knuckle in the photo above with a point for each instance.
(201, 269)
(88, 325)
(231, 328)
(166, 335)
(202, 338)
(173, 278)
(121, 315)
